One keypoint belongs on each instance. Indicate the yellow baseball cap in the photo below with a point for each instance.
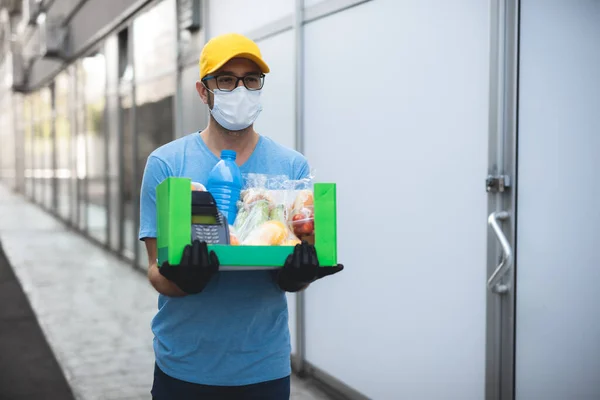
(220, 49)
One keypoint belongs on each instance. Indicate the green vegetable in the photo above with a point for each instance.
(258, 214)
(241, 217)
(261, 208)
(278, 213)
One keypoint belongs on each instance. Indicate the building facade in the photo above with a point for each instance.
(461, 135)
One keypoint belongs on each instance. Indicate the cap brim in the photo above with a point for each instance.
(261, 64)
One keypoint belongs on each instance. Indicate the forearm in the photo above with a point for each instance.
(162, 284)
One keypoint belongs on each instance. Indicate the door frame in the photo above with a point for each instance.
(502, 206)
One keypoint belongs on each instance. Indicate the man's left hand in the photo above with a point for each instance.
(301, 268)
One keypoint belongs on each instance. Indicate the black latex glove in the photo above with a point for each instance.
(301, 268)
(194, 271)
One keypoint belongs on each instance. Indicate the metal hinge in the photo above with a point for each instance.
(497, 183)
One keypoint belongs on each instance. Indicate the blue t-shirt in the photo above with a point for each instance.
(235, 332)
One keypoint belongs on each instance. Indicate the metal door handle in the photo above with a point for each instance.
(507, 256)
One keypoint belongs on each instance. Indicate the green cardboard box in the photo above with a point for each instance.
(174, 230)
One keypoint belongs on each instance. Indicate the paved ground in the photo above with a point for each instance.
(28, 368)
(93, 309)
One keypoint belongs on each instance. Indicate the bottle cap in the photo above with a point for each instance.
(228, 154)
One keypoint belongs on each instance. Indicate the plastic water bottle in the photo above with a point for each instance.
(225, 184)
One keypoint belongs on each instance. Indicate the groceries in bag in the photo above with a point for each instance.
(275, 211)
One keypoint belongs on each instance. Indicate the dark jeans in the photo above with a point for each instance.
(168, 388)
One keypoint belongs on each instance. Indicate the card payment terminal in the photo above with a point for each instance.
(208, 223)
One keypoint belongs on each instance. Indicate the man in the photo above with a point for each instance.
(223, 334)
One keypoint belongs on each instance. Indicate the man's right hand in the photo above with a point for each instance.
(194, 271)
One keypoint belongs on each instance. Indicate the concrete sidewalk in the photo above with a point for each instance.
(28, 368)
(93, 308)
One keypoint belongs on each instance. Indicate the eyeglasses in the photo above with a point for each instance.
(227, 83)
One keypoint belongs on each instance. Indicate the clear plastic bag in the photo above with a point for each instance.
(274, 211)
(301, 216)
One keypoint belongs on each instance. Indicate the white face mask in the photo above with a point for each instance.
(236, 110)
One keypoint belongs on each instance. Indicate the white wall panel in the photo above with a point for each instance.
(558, 315)
(396, 108)
(193, 110)
(277, 118)
(291, 298)
(243, 16)
(309, 3)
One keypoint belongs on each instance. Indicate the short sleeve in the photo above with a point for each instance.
(155, 172)
(301, 168)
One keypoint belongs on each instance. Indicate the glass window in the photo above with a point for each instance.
(93, 74)
(63, 146)
(19, 125)
(155, 41)
(7, 138)
(129, 236)
(46, 148)
(125, 106)
(155, 60)
(111, 53)
(27, 146)
(38, 148)
(155, 115)
(73, 149)
(80, 147)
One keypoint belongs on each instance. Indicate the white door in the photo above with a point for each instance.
(557, 354)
